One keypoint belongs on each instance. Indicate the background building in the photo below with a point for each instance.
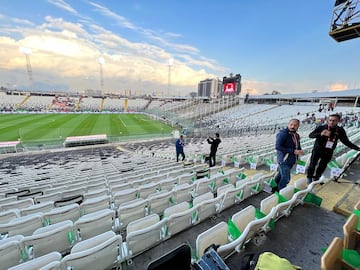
(210, 88)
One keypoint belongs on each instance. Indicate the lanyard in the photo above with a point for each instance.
(294, 139)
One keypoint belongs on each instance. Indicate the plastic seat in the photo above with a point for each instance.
(125, 195)
(8, 215)
(36, 208)
(332, 259)
(216, 235)
(143, 234)
(48, 261)
(159, 201)
(183, 192)
(179, 217)
(17, 204)
(351, 234)
(207, 205)
(58, 214)
(95, 204)
(95, 223)
(58, 237)
(22, 225)
(12, 252)
(230, 197)
(131, 211)
(103, 251)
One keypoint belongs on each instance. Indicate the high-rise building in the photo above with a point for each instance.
(210, 88)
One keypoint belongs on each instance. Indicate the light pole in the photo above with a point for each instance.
(170, 64)
(101, 62)
(27, 52)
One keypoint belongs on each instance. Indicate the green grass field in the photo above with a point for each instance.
(46, 127)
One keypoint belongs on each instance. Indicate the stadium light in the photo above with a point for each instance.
(101, 62)
(170, 64)
(27, 52)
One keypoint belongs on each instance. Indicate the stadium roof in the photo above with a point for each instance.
(316, 95)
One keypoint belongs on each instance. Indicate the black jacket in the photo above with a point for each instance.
(214, 144)
(337, 133)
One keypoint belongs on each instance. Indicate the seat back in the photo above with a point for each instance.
(11, 251)
(216, 235)
(22, 225)
(9, 215)
(179, 217)
(287, 192)
(94, 255)
(57, 237)
(144, 233)
(131, 211)
(39, 263)
(301, 183)
(268, 203)
(351, 234)
(58, 214)
(159, 201)
(94, 223)
(95, 204)
(207, 205)
(183, 192)
(231, 197)
(331, 259)
(125, 195)
(242, 218)
(17, 204)
(40, 207)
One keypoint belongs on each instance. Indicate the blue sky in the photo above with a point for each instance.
(280, 45)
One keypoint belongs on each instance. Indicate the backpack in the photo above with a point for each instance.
(266, 261)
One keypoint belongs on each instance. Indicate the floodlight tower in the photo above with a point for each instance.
(27, 52)
(170, 64)
(101, 62)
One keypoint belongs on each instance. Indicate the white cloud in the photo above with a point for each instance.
(338, 87)
(63, 5)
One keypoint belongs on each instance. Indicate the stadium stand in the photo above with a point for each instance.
(133, 204)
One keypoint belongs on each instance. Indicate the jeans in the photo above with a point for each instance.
(283, 177)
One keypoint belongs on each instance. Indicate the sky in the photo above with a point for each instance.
(168, 46)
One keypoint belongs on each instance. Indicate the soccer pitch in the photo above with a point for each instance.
(44, 127)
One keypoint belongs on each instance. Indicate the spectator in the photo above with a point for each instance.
(288, 149)
(179, 144)
(326, 138)
(213, 148)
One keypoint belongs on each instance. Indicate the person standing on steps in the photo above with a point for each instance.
(179, 145)
(326, 138)
(213, 148)
(288, 149)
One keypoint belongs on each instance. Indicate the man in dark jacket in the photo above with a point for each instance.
(213, 148)
(288, 149)
(326, 138)
(179, 145)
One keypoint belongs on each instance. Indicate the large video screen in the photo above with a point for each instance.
(229, 87)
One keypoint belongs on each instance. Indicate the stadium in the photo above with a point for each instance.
(90, 178)
(87, 177)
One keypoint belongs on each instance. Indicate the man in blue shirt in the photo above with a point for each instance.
(287, 149)
(179, 144)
